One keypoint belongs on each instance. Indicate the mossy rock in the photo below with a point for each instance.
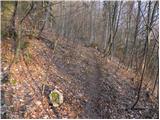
(56, 98)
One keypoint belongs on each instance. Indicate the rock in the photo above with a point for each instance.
(56, 98)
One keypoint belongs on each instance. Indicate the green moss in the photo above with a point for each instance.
(54, 96)
(13, 81)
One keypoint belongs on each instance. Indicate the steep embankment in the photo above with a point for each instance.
(93, 87)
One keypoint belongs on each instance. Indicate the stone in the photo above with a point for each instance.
(56, 98)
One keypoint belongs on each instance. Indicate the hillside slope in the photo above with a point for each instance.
(93, 86)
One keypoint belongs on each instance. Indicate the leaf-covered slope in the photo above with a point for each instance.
(93, 86)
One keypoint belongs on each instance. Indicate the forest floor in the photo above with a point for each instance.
(93, 86)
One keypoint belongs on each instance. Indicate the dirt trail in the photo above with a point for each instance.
(93, 91)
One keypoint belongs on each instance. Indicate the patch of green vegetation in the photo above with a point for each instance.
(54, 97)
(13, 81)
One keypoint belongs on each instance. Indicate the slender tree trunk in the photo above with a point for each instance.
(155, 83)
(47, 11)
(144, 58)
(92, 23)
(127, 31)
(12, 28)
